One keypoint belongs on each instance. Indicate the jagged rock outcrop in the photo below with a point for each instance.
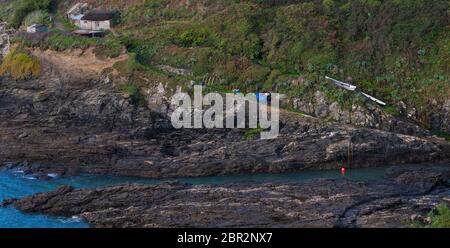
(5, 43)
(411, 192)
(439, 117)
(176, 71)
(370, 116)
(58, 125)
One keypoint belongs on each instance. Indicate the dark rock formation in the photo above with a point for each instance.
(435, 115)
(370, 116)
(62, 126)
(410, 193)
(439, 116)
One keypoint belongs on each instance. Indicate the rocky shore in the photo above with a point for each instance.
(64, 125)
(404, 198)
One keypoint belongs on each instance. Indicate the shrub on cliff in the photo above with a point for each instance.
(61, 42)
(397, 51)
(20, 65)
(132, 89)
(440, 218)
(38, 16)
(394, 50)
(25, 7)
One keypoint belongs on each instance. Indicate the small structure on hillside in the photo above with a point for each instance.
(98, 20)
(37, 28)
(77, 12)
(76, 20)
(91, 22)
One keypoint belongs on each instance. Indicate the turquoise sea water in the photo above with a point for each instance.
(17, 185)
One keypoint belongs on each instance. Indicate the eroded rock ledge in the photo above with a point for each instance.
(407, 193)
(57, 124)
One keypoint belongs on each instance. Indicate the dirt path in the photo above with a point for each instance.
(77, 63)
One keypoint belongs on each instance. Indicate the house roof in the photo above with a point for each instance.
(98, 16)
(76, 17)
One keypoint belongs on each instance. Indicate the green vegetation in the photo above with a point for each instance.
(133, 91)
(394, 50)
(25, 7)
(37, 16)
(69, 26)
(20, 65)
(60, 42)
(440, 218)
(391, 110)
(437, 218)
(252, 133)
(57, 41)
(109, 47)
(196, 36)
(105, 47)
(297, 111)
(444, 135)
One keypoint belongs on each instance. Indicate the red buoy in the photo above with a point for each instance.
(343, 170)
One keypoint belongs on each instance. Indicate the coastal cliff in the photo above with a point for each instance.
(71, 105)
(61, 124)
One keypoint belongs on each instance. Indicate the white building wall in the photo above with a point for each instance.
(86, 25)
(95, 25)
(104, 25)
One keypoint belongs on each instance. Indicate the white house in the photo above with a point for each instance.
(96, 21)
(76, 19)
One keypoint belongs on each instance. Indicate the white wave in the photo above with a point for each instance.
(74, 219)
